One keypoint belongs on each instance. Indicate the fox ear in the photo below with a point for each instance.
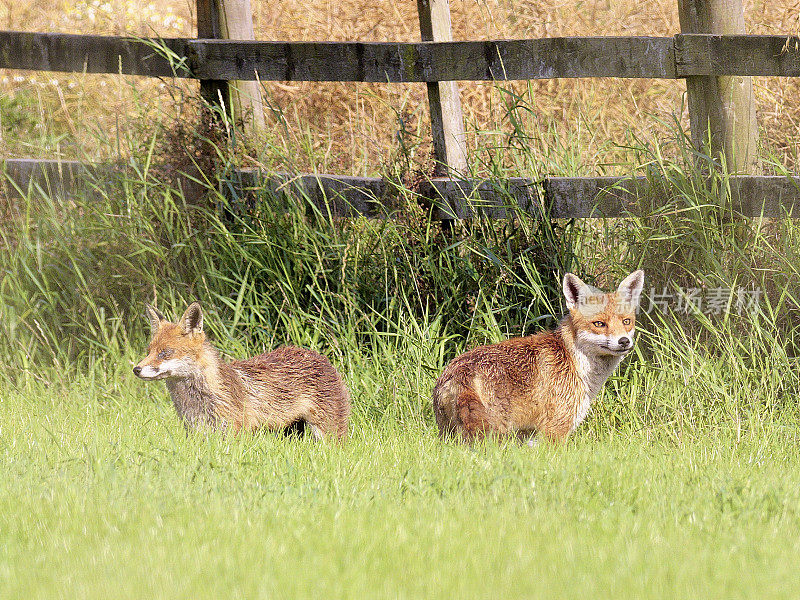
(574, 288)
(192, 319)
(154, 316)
(631, 288)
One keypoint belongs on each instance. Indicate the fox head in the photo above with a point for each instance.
(603, 322)
(176, 348)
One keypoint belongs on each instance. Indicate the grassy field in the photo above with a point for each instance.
(104, 495)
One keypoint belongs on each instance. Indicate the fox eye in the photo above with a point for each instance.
(165, 353)
(599, 324)
(626, 321)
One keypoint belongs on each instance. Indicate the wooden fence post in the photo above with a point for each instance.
(447, 120)
(723, 106)
(231, 19)
(209, 27)
(236, 23)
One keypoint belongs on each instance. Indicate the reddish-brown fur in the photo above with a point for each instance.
(274, 391)
(538, 384)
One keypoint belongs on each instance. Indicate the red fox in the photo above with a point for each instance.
(288, 387)
(544, 383)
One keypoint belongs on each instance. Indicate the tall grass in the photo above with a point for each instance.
(405, 291)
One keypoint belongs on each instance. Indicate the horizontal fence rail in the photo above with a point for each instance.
(682, 55)
(347, 196)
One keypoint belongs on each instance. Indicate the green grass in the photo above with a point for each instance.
(104, 495)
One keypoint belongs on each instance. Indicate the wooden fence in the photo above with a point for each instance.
(675, 57)
(697, 57)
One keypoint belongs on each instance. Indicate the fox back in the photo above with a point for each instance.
(544, 383)
(282, 389)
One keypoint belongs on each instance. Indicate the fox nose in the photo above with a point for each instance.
(624, 342)
(137, 370)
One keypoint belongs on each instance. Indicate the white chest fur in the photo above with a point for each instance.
(593, 371)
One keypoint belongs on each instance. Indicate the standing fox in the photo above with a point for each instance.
(287, 387)
(544, 383)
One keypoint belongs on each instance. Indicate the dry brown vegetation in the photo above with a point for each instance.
(576, 126)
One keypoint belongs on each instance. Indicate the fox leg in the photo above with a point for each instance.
(472, 415)
(444, 421)
(326, 425)
(317, 431)
(447, 428)
(528, 438)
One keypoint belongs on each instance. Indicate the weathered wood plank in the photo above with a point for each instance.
(462, 199)
(664, 58)
(563, 197)
(768, 196)
(55, 177)
(344, 61)
(722, 110)
(213, 90)
(772, 196)
(437, 61)
(334, 195)
(90, 54)
(245, 96)
(444, 100)
(764, 55)
(584, 197)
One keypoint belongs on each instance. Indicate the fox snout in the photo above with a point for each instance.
(605, 343)
(149, 372)
(621, 345)
(624, 344)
